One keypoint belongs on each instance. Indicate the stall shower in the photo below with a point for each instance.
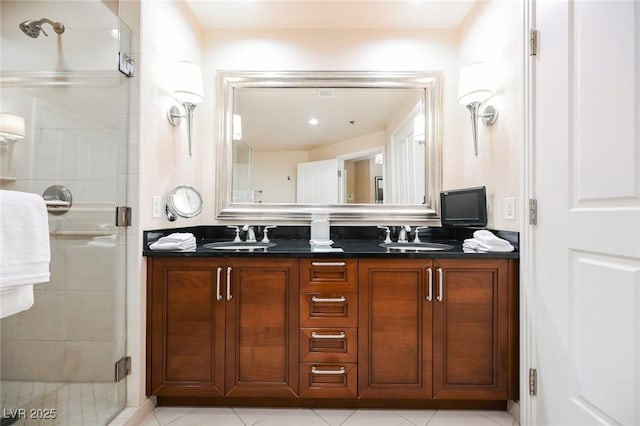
(57, 359)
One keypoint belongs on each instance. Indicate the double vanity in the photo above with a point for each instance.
(364, 324)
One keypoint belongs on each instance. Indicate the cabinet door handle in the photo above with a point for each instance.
(341, 372)
(315, 335)
(430, 288)
(218, 294)
(440, 279)
(328, 263)
(229, 296)
(340, 299)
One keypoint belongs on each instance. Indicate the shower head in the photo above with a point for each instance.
(33, 28)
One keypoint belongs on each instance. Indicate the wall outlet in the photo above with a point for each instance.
(510, 208)
(156, 206)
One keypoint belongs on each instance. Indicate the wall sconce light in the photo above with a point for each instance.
(11, 128)
(189, 91)
(473, 89)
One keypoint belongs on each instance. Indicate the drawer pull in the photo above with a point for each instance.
(328, 263)
(340, 299)
(315, 335)
(341, 372)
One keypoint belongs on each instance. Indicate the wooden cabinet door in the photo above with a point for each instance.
(394, 329)
(470, 329)
(185, 328)
(261, 328)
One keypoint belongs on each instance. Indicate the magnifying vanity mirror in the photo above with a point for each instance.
(184, 201)
(353, 145)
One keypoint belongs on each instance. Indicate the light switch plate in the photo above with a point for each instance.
(156, 206)
(510, 208)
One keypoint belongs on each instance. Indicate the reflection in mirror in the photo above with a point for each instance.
(328, 145)
(295, 142)
(184, 201)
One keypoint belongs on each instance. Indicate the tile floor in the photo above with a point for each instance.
(69, 404)
(189, 416)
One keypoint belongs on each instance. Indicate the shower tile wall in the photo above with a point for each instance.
(69, 333)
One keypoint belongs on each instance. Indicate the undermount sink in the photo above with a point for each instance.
(415, 246)
(241, 245)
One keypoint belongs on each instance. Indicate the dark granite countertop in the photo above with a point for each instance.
(355, 241)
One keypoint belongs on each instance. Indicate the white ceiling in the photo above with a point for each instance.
(330, 14)
(278, 119)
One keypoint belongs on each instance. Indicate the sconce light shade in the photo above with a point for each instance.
(188, 83)
(474, 87)
(474, 84)
(11, 127)
(188, 90)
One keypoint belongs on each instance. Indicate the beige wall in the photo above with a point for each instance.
(492, 32)
(348, 146)
(363, 182)
(275, 173)
(168, 33)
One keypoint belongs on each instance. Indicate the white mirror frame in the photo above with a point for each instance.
(229, 81)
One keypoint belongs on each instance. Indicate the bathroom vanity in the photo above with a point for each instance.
(366, 327)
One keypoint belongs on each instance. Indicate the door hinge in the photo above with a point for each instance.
(533, 211)
(533, 42)
(123, 368)
(123, 216)
(125, 64)
(339, 173)
(533, 382)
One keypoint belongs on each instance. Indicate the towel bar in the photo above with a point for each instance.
(58, 199)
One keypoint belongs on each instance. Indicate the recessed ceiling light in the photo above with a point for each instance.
(313, 121)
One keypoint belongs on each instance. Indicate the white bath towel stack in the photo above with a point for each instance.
(486, 241)
(24, 249)
(177, 241)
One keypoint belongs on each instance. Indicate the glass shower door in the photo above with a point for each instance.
(58, 357)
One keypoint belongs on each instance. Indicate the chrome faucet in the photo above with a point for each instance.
(251, 235)
(402, 235)
(416, 239)
(265, 237)
(387, 231)
(237, 228)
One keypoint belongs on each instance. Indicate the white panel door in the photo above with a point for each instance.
(318, 182)
(587, 240)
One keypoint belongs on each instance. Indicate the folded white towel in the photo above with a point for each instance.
(24, 239)
(176, 241)
(485, 241)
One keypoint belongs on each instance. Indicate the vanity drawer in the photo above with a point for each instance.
(320, 275)
(328, 380)
(328, 310)
(328, 345)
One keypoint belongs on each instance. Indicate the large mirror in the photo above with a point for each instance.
(355, 146)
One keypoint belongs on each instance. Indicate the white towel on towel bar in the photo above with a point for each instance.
(24, 248)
